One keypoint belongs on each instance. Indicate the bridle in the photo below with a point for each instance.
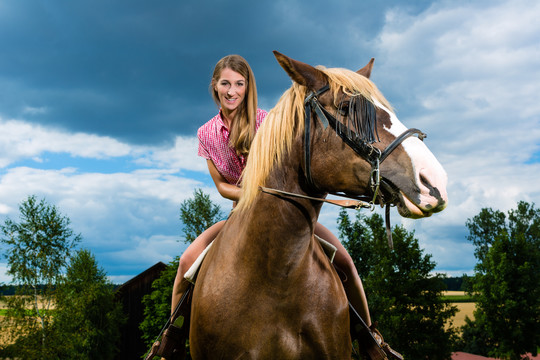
(358, 144)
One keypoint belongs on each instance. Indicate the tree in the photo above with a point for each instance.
(505, 284)
(38, 249)
(404, 298)
(196, 214)
(88, 318)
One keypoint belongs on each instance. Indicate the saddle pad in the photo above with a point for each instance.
(190, 275)
(329, 249)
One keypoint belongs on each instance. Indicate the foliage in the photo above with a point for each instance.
(505, 283)
(198, 214)
(157, 304)
(38, 249)
(88, 318)
(404, 298)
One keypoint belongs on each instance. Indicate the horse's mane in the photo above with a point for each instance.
(285, 122)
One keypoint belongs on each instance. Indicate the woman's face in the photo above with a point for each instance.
(231, 89)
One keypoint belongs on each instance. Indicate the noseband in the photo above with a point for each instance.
(362, 145)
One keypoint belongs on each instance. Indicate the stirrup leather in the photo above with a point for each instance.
(172, 342)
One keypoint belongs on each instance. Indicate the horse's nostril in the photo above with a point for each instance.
(425, 181)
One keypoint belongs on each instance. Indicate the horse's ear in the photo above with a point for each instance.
(302, 73)
(366, 70)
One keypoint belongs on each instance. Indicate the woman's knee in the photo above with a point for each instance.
(185, 263)
(346, 264)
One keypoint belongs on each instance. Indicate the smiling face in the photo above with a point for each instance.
(231, 90)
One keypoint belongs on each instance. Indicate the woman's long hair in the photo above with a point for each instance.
(242, 129)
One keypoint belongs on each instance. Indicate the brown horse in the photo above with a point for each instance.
(266, 290)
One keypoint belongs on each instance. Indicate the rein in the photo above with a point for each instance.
(361, 146)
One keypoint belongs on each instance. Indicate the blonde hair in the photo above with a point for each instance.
(242, 129)
(284, 123)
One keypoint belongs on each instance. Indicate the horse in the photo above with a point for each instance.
(266, 289)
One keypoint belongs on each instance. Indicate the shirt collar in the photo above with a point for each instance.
(221, 122)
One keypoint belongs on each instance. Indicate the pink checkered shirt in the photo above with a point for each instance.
(214, 145)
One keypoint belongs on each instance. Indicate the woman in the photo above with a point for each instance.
(224, 142)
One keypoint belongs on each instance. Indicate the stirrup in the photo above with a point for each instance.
(390, 353)
(172, 345)
(361, 332)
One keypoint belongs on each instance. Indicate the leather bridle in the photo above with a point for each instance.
(361, 146)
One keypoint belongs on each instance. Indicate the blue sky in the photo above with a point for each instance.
(100, 102)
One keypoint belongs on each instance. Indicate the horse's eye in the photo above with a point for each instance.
(343, 109)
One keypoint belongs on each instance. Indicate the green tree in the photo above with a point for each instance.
(197, 214)
(88, 318)
(505, 284)
(38, 249)
(404, 298)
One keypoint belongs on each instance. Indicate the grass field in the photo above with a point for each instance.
(464, 304)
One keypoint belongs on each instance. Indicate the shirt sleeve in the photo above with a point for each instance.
(203, 138)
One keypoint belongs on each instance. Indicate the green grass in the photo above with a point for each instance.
(29, 312)
(458, 298)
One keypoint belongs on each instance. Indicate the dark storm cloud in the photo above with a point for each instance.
(139, 71)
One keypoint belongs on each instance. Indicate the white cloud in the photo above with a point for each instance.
(21, 140)
(117, 213)
(182, 155)
(469, 75)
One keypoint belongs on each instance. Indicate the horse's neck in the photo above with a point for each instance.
(285, 225)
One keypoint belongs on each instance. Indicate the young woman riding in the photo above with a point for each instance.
(224, 142)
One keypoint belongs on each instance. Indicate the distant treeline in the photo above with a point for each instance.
(452, 284)
(7, 290)
(455, 283)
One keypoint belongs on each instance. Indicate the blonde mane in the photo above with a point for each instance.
(285, 122)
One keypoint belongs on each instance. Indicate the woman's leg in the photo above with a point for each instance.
(352, 284)
(188, 258)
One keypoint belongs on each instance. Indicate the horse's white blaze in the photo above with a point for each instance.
(429, 175)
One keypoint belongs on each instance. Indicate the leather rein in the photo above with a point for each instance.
(361, 146)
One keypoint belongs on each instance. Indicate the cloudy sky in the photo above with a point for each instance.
(100, 102)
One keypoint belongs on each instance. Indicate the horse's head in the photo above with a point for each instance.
(371, 139)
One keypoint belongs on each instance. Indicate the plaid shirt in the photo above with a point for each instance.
(214, 145)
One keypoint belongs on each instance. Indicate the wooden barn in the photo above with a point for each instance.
(131, 294)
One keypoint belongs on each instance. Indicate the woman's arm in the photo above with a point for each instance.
(228, 191)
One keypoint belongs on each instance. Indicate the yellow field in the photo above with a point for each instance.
(464, 309)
